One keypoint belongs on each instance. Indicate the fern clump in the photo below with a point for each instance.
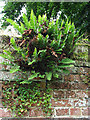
(43, 48)
(42, 53)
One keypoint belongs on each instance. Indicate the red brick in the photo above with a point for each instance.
(38, 112)
(61, 112)
(75, 111)
(1, 103)
(83, 70)
(77, 78)
(79, 86)
(35, 112)
(70, 103)
(70, 94)
(60, 85)
(80, 102)
(85, 111)
(0, 90)
(0, 67)
(88, 102)
(89, 111)
(81, 94)
(83, 86)
(58, 94)
(80, 70)
(4, 113)
(69, 77)
(89, 93)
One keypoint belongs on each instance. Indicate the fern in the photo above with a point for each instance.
(43, 46)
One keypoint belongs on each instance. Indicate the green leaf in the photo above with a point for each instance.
(15, 25)
(48, 75)
(41, 76)
(6, 63)
(33, 76)
(40, 19)
(55, 75)
(33, 20)
(67, 61)
(35, 52)
(59, 49)
(40, 51)
(30, 63)
(6, 57)
(14, 69)
(12, 41)
(25, 82)
(25, 19)
(8, 52)
(62, 24)
(63, 66)
(22, 27)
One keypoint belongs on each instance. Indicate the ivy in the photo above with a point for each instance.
(22, 98)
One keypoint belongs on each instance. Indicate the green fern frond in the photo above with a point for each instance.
(25, 19)
(33, 20)
(15, 25)
(22, 27)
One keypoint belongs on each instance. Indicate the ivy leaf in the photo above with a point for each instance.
(56, 75)
(48, 75)
(41, 76)
(26, 82)
(33, 76)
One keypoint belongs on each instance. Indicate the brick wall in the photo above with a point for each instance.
(70, 92)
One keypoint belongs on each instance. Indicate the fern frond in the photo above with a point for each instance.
(33, 20)
(15, 25)
(25, 19)
(22, 27)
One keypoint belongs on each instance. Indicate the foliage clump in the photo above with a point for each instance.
(44, 48)
(43, 52)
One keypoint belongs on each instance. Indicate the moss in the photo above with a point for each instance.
(81, 56)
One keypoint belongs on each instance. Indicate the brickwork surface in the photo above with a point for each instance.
(70, 92)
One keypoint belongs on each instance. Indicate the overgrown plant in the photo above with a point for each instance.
(43, 50)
